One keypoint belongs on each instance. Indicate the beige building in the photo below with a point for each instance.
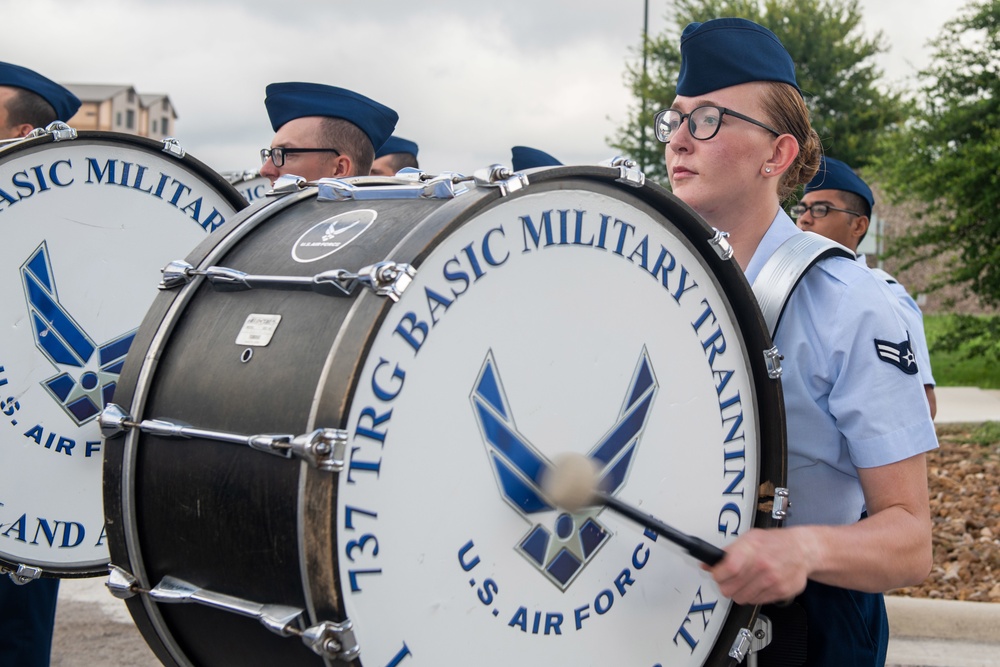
(119, 108)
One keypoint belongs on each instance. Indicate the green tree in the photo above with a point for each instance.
(947, 155)
(834, 66)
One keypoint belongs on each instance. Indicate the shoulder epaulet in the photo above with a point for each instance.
(785, 268)
(885, 276)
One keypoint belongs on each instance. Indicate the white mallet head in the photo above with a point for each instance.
(571, 482)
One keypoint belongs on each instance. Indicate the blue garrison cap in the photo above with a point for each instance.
(523, 157)
(396, 144)
(835, 175)
(288, 101)
(727, 52)
(64, 102)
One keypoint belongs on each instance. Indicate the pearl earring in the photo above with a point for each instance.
(767, 170)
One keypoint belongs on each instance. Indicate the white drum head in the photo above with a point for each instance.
(513, 345)
(87, 226)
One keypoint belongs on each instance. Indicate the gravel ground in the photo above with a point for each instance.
(964, 481)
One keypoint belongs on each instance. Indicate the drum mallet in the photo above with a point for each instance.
(572, 484)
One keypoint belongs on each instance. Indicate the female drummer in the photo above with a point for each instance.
(738, 141)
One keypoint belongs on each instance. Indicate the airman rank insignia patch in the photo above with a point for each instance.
(899, 355)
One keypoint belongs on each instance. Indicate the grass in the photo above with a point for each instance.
(953, 368)
(985, 434)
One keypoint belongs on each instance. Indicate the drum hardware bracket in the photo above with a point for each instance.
(720, 241)
(324, 449)
(335, 189)
(121, 583)
(173, 147)
(333, 640)
(781, 502)
(772, 359)
(384, 278)
(24, 574)
(628, 171)
(387, 278)
(748, 642)
(327, 639)
(58, 130)
(500, 177)
(287, 184)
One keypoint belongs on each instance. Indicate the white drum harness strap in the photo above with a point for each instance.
(785, 268)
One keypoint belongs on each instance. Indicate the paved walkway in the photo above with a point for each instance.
(94, 628)
(967, 404)
(942, 633)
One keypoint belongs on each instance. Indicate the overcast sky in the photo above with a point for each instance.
(468, 79)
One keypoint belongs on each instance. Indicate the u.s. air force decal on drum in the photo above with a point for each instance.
(574, 321)
(329, 236)
(88, 372)
(87, 224)
(561, 547)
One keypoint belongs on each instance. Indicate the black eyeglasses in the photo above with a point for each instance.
(278, 153)
(703, 122)
(817, 210)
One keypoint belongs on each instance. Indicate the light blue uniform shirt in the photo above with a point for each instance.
(846, 406)
(914, 320)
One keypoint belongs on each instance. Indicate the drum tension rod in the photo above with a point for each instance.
(502, 178)
(389, 279)
(335, 641)
(720, 243)
(748, 643)
(324, 448)
(629, 172)
(772, 359)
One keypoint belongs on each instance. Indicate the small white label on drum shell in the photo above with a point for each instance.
(258, 329)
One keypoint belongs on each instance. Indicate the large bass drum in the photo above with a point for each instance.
(88, 219)
(334, 421)
(250, 184)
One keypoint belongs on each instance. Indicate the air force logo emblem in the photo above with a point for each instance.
(899, 355)
(560, 546)
(89, 372)
(324, 239)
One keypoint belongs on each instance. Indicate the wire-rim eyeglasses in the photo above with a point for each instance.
(278, 153)
(703, 122)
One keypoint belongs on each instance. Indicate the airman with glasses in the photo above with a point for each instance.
(323, 131)
(838, 204)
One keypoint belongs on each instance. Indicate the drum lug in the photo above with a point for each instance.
(772, 359)
(500, 177)
(324, 449)
(175, 274)
(748, 642)
(628, 171)
(781, 502)
(173, 147)
(121, 583)
(387, 278)
(58, 130)
(287, 184)
(720, 241)
(335, 641)
(113, 420)
(24, 574)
